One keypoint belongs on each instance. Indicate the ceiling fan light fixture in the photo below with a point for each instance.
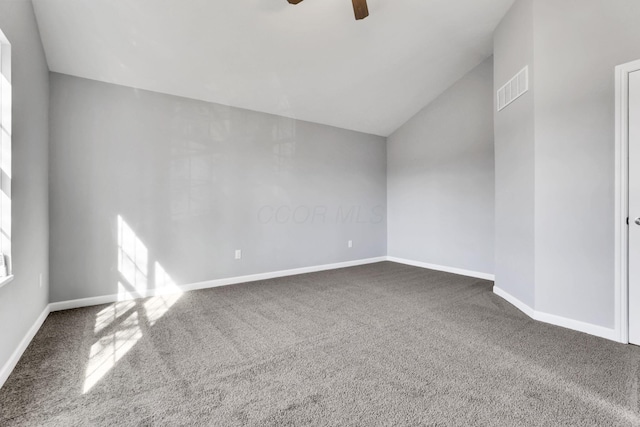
(360, 9)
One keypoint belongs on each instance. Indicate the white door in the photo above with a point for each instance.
(634, 208)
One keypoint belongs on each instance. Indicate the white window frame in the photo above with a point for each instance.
(5, 147)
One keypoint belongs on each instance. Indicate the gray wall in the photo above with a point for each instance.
(577, 45)
(555, 154)
(441, 178)
(194, 181)
(514, 158)
(23, 300)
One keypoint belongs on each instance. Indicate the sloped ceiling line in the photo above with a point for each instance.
(312, 62)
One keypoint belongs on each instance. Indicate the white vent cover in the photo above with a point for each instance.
(514, 89)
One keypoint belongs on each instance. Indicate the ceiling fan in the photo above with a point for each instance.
(360, 8)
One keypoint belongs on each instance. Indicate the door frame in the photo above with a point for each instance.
(622, 200)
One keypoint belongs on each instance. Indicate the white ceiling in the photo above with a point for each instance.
(311, 61)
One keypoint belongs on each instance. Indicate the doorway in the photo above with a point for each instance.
(634, 207)
(628, 202)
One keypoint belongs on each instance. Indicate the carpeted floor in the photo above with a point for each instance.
(382, 344)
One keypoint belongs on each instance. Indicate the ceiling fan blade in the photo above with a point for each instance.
(360, 9)
(294, 1)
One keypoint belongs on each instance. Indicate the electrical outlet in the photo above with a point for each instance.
(41, 280)
(238, 254)
(350, 243)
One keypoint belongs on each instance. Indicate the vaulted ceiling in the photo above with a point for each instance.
(311, 61)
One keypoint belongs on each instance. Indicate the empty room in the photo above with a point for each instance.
(320, 212)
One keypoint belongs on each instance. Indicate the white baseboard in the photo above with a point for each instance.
(552, 319)
(459, 271)
(26, 340)
(281, 273)
(108, 299)
(577, 325)
(8, 367)
(515, 301)
(85, 302)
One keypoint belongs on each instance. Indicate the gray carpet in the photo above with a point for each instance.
(383, 344)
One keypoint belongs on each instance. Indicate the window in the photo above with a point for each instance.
(5, 160)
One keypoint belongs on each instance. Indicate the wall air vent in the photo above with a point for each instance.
(514, 89)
